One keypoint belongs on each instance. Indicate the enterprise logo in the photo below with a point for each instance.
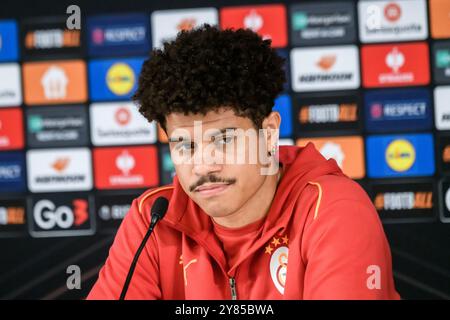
(322, 23)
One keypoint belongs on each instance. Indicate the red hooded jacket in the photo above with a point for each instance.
(321, 239)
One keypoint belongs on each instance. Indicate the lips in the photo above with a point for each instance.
(211, 189)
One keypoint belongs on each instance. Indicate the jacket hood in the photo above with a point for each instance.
(299, 164)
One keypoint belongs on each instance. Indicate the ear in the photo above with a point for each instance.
(271, 126)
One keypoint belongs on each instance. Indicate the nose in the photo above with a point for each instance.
(206, 169)
(205, 164)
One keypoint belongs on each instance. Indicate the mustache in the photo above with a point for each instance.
(210, 179)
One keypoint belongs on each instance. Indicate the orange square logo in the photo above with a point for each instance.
(269, 21)
(347, 151)
(162, 136)
(440, 18)
(55, 82)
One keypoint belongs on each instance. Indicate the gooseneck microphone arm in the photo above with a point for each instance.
(158, 211)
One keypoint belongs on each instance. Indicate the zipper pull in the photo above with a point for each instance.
(233, 289)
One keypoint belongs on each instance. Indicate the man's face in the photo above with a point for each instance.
(214, 160)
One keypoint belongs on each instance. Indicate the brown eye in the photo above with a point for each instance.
(185, 146)
(224, 140)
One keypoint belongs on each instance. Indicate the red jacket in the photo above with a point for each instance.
(322, 239)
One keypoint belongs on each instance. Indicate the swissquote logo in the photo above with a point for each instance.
(119, 124)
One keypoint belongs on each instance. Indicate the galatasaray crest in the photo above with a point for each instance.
(278, 250)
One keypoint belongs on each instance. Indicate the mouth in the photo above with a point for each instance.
(211, 189)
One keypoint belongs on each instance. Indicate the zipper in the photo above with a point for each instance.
(232, 282)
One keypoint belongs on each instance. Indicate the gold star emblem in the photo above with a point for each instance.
(285, 239)
(269, 249)
(275, 242)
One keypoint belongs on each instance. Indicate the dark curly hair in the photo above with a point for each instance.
(207, 68)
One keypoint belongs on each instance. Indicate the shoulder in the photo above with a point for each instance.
(143, 203)
(335, 193)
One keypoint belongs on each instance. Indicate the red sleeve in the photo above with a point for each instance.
(347, 254)
(145, 281)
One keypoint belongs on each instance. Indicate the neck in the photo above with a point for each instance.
(255, 208)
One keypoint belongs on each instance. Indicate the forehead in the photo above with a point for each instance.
(218, 119)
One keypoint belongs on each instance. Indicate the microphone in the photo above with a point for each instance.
(158, 211)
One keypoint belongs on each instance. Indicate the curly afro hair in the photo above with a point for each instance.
(205, 69)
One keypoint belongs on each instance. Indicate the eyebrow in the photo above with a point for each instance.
(218, 132)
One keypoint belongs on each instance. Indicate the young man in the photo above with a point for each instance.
(288, 225)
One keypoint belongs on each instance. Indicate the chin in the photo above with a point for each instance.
(215, 211)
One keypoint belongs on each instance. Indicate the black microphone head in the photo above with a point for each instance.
(159, 207)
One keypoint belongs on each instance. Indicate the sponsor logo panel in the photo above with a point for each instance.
(443, 152)
(10, 85)
(394, 65)
(322, 23)
(126, 34)
(9, 49)
(269, 21)
(325, 68)
(283, 106)
(287, 68)
(54, 82)
(12, 218)
(385, 21)
(444, 199)
(120, 124)
(398, 110)
(68, 214)
(401, 155)
(167, 169)
(49, 37)
(167, 23)
(111, 209)
(348, 152)
(440, 18)
(411, 201)
(12, 172)
(11, 129)
(327, 113)
(441, 62)
(59, 170)
(57, 126)
(113, 79)
(442, 108)
(126, 167)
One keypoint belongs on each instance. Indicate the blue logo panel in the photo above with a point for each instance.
(398, 110)
(9, 48)
(114, 79)
(284, 54)
(112, 35)
(402, 155)
(12, 172)
(283, 106)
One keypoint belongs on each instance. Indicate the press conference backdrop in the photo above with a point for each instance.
(368, 83)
